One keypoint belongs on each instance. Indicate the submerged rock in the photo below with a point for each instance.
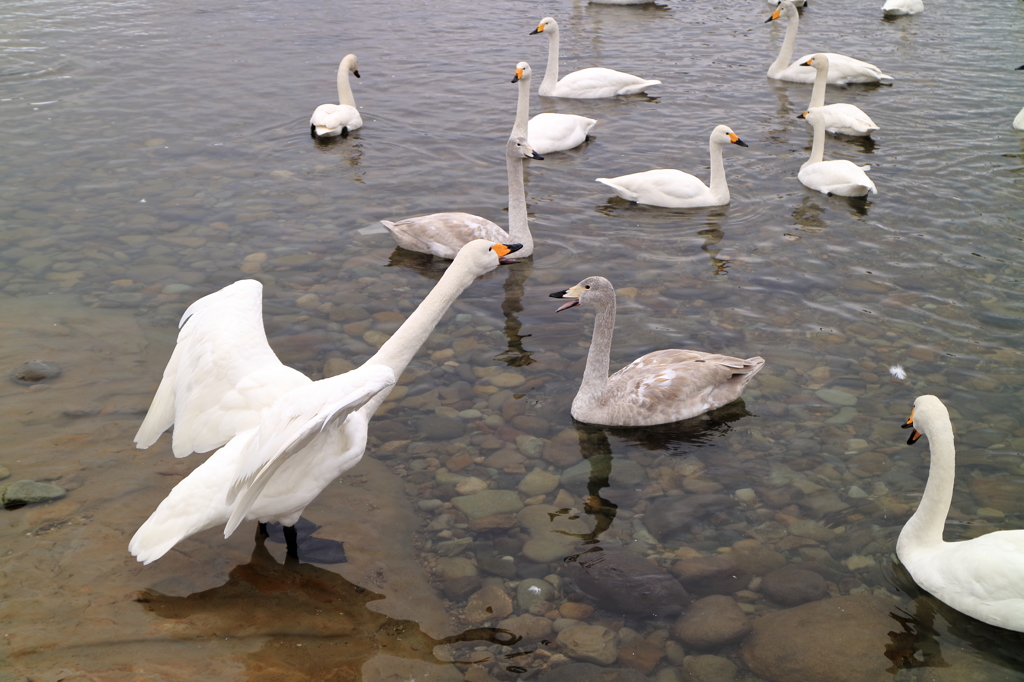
(624, 582)
(711, 622)
(792, 586)
(24, 492)
(34, 372)
(592, 643)
(670, 514)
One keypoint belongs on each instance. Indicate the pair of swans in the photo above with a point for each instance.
(675, 189)
(837, 176)
(546, 133)
(592, 83)
(332, 120)
(982, 577)
(284, 437)
(842, 70)
(658, 388)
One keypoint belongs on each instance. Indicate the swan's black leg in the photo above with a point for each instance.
(261, 530)
(291, 539)
(312, 130)
(344, 131)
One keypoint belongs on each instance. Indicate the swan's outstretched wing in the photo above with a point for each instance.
(221, 375)
(293, 423)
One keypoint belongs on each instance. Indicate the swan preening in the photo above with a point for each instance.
(838, 176)
(895, 8)
(546, 133)
(443, 234)
(674, 188)
(331, 120)
(592, 83)
(840, 118)
(841, 70)
(982, 577)
(658, 388)
(293, 436)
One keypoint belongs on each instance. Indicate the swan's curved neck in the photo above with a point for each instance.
(398, 351)
(719, 187)
(521, 124)
(786, 51)
(518, 224)
(925, 527)
(818, 92)
(817, 145)
(344, 89)
(547, 86)
(595, 376)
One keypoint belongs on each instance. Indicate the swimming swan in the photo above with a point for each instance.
(840, 118)
(592, 83)
(658, 388)
(676, 189)
(896, 8)
(838, 176)
(331, 120)
(304, 436)
(546, 132)
(841, 69)
(982, 577)
(443, 234)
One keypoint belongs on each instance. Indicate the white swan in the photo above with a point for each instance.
(658, 388)
(592, 83)
(331, 120)
(840, 118)
(838, 176)
(896, 8)
(676, 189)
(1018, 120)
(546, 132)
(443, 234)
(982, 577)
(304, 436)
(841, 69)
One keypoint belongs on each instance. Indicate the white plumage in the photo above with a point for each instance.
(982, 577)
(841, 71)
(331, 120)
(592, 83)
(675, 189)
(838, 176)
(657, 388)
(840, 118)
(895, 8)
(547, 132)
(303, 434)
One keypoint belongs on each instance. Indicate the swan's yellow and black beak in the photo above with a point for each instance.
(539, 29)
(519, 76)
(775, 15)
(735, 139)
(808, 62)
(572, 293)
(505, 249)
(914, 434)
(803, 115)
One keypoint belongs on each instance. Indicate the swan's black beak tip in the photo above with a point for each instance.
(356, 73)
(741, 143)
(558, 294)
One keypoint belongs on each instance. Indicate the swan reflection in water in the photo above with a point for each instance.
(310, 620)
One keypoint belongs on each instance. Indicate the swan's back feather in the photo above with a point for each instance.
(662, 187)
(597, 82)
(329, 119)
(838, 176)
(846, 119)
(221, 375)
(842, 70)
(557, 132)
(443, 234)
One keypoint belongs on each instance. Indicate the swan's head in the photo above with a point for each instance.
(813, 116)
(928, 415)
(546, 25)
(523, 72)
(481, 256)
(785, 9)
(518, 148)
(724, 134)
(351, 62)
(591, 290)
(819, 62)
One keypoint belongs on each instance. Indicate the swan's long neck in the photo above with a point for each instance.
(547, 86)
(818, 92)
(817, 145)
(925, 527)
(344, 89)
(519, 128)
(719, 187)
(518, 225)
(786, 51)
(398, 351)
(595, 376)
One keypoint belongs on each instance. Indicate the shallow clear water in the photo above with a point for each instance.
(158, 151)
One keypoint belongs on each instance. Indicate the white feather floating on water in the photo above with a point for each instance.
(898, 372)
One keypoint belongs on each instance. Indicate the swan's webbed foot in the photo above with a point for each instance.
(291, 539)
(312, 130)
(344, 131)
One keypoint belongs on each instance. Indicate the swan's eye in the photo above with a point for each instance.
(587, 287)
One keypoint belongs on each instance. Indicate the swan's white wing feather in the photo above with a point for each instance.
(846, 119)
(597, 82)
(292, 423)
(842, 70)
(557, 132)
(221, 375)
(660, 187)
(838, 176)
(443, 234)
(331, 118)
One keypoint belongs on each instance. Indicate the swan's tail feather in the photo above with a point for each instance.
(619, 189)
